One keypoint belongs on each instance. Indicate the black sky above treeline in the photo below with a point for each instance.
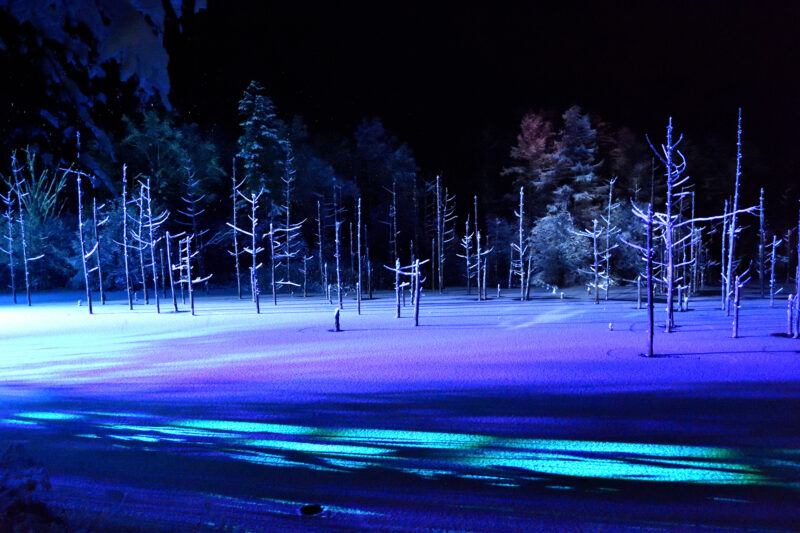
(453, 81)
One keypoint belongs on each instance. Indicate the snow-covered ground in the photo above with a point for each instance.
(489, 415)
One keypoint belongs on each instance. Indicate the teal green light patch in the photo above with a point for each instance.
(627, 448)
(315, 448)
(168, 430)
(47, 415)
(268, 459)
(413, 439)
(245, 427)
(611, 468)
(11, 421)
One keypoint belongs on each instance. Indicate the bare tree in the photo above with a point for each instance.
(415, 283)
(20, 193)
(84, 254)
(140, 244)
(670, 222)
(610, 230)
(152, 225)
(235, 253)
(8, 214)
(762, 243)
(773, 291)
(185, 268)
(172, 267)
(733, 230)
(322, 274)
(647, 252)
(358, 252)
(254, 248)
(521, 247)
(740, 281)
(595, 270)
(96, 225)
(337, 212)
(445, 233)
(125, 244)
(466, 244)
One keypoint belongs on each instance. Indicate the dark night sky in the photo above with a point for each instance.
(454, 81)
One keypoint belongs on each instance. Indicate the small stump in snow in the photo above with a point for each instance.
(312, 509)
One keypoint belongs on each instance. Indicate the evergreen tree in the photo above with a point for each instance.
(262, 144)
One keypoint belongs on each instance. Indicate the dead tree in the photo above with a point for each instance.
(97, 223)
(772, 259)
(152, 225)
(670, 223)
(723, 257)
(445, 215)
(466, 244)
(171, 267)
(21, 194)
(290, 232)
(84, 254)
(254, 248)
(358, 253)
(125, 244)
(647, 252)
(595, 270)
(192, 210)
(797, 285)
(185, 268)
(140, 243)
(337, 211)
(733, 230)
(306, 259)
(610, 230)
(739, 283)
(235, 253)
(415, 282)
(8, 215)
(481, 265)
(762, 244)
(392, 222)
(323, 277)
(518, 265)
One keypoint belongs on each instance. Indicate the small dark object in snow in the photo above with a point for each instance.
(312, 509)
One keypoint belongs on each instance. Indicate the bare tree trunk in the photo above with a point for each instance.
(521, 246)
(397, 288)
(271, 235)
(762, 243)
(84, 255)
(337, 223)
(737, 291)
(234, 194)
(649, 275)
(150, 227)
(21, 220)
(95, 225)
(128, 285)
(358, 286)
(417, 291)
(140, 246)
(723, 258)
(323, 276)
(9, 216)
(169, 271)
(734, 208)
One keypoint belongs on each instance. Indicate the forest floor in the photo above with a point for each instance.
(496, 415)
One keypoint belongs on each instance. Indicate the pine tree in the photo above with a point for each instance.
(261, 145)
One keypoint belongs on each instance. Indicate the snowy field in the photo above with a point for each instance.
(497, 415)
